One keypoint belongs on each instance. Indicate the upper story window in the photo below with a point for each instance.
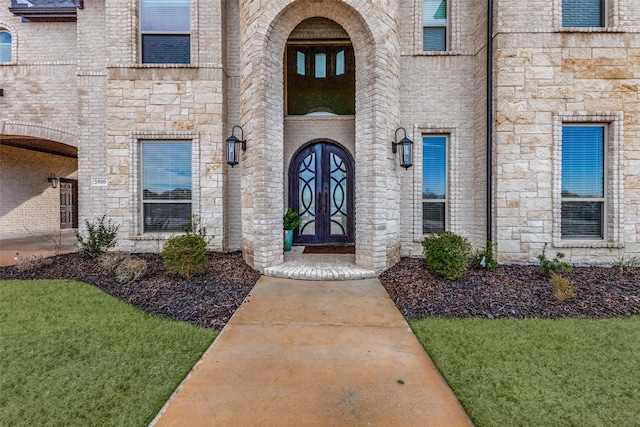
(165, 31)
(5, 46)
(435, 25)
(583, 13)
(583, 181)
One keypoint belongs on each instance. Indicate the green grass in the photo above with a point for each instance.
(571, 372)
(72, 355)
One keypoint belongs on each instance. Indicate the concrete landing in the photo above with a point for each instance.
(314, 353)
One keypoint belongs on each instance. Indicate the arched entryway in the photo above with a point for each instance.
(321, 182)
(277, 134)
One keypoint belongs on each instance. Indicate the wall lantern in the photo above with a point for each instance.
(405, 149)
(53, 180)
(233, 153)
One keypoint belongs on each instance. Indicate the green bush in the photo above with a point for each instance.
(290, 220)
(447, 254)
(185, 255)
(100, 237)
(555, 265)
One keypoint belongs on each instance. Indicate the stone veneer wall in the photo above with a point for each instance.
(150, 101)
(547, 75)
(444, 93)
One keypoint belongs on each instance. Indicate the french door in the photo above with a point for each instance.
(321, 191)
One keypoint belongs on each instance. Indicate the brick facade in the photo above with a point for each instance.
(82, 84)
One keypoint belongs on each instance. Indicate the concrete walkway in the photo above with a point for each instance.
(14, 250)
(314, 353)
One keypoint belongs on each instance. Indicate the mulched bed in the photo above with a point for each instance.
(211, 299)
(208, 300)
(512, 291)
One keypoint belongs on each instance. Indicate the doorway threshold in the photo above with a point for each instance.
(298, 265)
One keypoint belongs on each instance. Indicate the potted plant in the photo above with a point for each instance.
(290, 222)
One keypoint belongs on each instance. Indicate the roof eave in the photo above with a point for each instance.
(46, 14)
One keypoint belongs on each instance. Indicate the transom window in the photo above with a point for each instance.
(320, 78)
(434, 25)
(166, 186)
(434, 183)
(165, 27)
(5, 46)
(583, 183)
(583, 13)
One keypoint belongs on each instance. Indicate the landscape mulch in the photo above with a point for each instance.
(209, 300)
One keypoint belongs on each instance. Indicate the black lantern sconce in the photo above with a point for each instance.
(53, 180)
(233, 152)
(406, 152)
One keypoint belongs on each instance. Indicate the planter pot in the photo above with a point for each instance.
(288, 239)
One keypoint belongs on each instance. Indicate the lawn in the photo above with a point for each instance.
(569, 372)
(72, 355)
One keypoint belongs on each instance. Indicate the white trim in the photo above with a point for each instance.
(136, 138)
(614, 212)
(453, 199)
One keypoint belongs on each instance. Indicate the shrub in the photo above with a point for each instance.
(185, 255)
(485, 258)
(628, 264)
(555, 265)
(123, 266)
(447, 254)
(110, 261)
(562, 287)
(100, 237)
(130, 270)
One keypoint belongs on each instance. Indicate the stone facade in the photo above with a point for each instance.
(82, 84)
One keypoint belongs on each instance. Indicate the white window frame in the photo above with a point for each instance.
(454, 202)
(446, 180)
(190, 33)
(7, 29)
(603, 199)
(613, 179)
(136, 141)
(610, 24)
(447, 29)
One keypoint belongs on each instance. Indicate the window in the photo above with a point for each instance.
(583, 184)
(434, 25)
(583, 13)
(166, 185)
(5, 46)
(165, 27)
(434, 183)
(320, 79)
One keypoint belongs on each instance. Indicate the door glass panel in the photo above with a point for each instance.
(338, 195)
(307, 202)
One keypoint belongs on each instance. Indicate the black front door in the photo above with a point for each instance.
(321, 191)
